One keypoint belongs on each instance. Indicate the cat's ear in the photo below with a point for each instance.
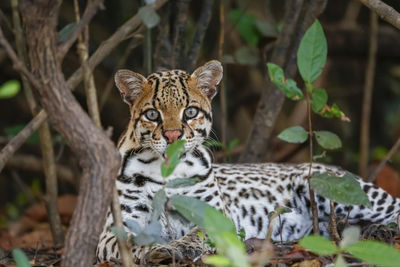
(130, 85)
(208, 77)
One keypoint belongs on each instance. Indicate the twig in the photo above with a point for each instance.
(88, 80)
(121, 62)
(132, 26)
(90, 11)
(313, 205)
(126, 256)
(21, 137)
(46, 144)
(333, 232)
(222, 92)
(385, 12)
(382, 164)
(367, 99)
(201, 29)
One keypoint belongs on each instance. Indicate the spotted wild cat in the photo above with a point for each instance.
(171, 105)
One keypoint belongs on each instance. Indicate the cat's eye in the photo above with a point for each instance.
(191, 112)
(152, 115)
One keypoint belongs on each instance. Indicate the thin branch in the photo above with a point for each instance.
(222, 91)
(367, 99)
(313, 205)
(126, 255)
(201, 29)
(17, 141)
(382, 164)
(88, 80)
(91, 9)
(385, 12)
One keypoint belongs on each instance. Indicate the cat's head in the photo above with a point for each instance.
(169, 105)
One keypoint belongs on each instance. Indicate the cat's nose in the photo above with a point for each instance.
(172, 135)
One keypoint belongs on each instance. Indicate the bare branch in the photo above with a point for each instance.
(17, 141)
(385, 12)
(91, 9)
(382, 164)
(367, 98)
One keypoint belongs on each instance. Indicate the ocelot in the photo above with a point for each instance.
(171, 105)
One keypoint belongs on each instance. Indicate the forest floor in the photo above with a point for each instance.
(32, 233)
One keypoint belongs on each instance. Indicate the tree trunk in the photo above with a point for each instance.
(97, 155)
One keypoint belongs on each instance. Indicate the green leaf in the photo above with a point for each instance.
(374, 252)
(149, 17)
(333, 111)
(173, 152)
(328, 140)
(319, 98)
(232, 144)
(151, 234)
(10, 89)
(215, 222)
(20, 258)
(318, 244)
(287, 86)
(119, 233)
(182, 182)
(213, 143)
(65, 32)
(190, 208)
(247, 55)
(311, 56)
(229, 245)
(245, 25)
(344, 189)
(158, 204)
(340, 262)
(295, 134)
(350, 236)
(217, 260)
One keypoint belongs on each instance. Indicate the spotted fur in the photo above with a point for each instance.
(246, 193)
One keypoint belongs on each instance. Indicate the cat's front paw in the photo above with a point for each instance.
(165, 254)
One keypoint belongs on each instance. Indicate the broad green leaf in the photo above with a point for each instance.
(119, 233)
(295, 134)
(328, 140)
(350, 236)
(65, 32)
(318, 244)
(10, 89)
(287, 86)
(229, 245)
(246, 55)
(158, 204)
(182, 182)
(174, 151)
(245, 25)
(190, 208)
(374, 252)
(215, 222)
(149, 17)
(344, 189)
(217, 260)
(340, 262)
(133, 226)
(151, 234)
(311, 56)
(20, 258)
(319, 98)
